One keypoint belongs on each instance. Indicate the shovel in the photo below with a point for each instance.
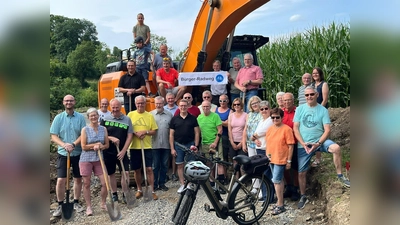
(112, 207)
(147, 195)
(67, 208)
(130, 198)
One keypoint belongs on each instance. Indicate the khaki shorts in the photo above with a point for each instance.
(205, 148)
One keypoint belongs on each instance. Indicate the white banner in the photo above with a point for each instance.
(202, 78)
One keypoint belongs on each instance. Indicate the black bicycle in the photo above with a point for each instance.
(242, 202)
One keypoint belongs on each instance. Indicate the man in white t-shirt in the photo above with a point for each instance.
(103, 111)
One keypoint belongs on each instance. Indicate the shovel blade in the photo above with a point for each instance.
(130, 200)
(147, 195)
(113, 211)
(67, 211)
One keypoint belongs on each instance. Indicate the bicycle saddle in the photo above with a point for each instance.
(242, 159)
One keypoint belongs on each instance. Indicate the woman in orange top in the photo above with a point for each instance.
(279, 147)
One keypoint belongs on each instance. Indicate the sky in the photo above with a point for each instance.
(175, 19)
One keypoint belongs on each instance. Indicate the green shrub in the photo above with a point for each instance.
(87, 97)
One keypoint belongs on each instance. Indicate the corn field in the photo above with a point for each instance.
(286, 59)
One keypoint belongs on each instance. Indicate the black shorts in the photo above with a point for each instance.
(111, 160)
(225, 147)
(136, 158)
(62, 166)
(295, 160)
(233, 153)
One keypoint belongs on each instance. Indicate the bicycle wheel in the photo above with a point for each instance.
(184, 210)
(249, 208)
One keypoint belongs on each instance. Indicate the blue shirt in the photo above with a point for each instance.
(68, 129)
(312, 121)
(171, 110)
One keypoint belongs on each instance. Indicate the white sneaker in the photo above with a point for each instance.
(57, 212)
(78, 208)
(180, 190)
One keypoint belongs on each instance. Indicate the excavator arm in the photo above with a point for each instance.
(215, 21)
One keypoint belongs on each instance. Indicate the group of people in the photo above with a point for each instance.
(287, 134)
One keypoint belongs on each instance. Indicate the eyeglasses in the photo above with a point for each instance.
(187, 97)
(254, 103)
(69, 100)
(206, 97)
(139, 103)
(311, 94)
(236, 105)
(183, 106)
(206, 106)
(262, 109)
(223, 100)
(275, 117)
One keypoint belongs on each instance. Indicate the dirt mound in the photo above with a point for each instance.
(340, 126)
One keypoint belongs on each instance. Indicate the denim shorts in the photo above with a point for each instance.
(143, 72)
(277, 173)
(180, 154)
(304, 158)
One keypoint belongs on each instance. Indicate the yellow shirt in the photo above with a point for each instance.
(141, 122)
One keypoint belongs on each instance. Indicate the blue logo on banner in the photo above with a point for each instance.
(219, 78)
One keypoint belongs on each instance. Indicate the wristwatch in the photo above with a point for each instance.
(73, 144)
(147, 132)
(289, 161)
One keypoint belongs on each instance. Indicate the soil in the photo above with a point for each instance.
(329, 200)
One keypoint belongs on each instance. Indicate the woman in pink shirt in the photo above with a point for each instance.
(236, 125)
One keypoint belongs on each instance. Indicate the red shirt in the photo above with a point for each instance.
(288, 118)
(194, 111)
(168, 77)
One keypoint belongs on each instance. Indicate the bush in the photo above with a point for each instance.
(86, 98)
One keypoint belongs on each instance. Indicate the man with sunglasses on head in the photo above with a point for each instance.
(312, 128)
(167, 80)
(207, 97)
(158, 62)
(192, 109)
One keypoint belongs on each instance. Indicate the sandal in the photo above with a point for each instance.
(89, 211)
(278, 210)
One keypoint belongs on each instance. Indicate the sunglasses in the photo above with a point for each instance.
(236, 104)
(262, 109)
(206, 97)
(187, 97)
(254, 103)
(311, 94)
(166, 59)
(223, 100)
(275, 117)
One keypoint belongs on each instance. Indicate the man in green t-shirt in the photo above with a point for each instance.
(211, 129)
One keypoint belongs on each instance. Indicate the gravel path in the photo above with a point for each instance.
(160, 212)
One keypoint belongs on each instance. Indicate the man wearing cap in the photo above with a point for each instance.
(167, 80)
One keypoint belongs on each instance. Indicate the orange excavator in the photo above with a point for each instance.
(212, 38)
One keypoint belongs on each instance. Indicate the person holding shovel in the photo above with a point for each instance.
(66, 133)
(145, 127)
(93, 138)
(120, 132)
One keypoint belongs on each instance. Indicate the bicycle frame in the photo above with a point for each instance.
(220, 206)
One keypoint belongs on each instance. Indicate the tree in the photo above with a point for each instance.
(66, 34)
(81, 62)
(103, 57)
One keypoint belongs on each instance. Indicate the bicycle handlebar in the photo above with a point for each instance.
(198, 156)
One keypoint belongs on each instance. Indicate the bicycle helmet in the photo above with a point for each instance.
(139, 39)
(196, 171)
